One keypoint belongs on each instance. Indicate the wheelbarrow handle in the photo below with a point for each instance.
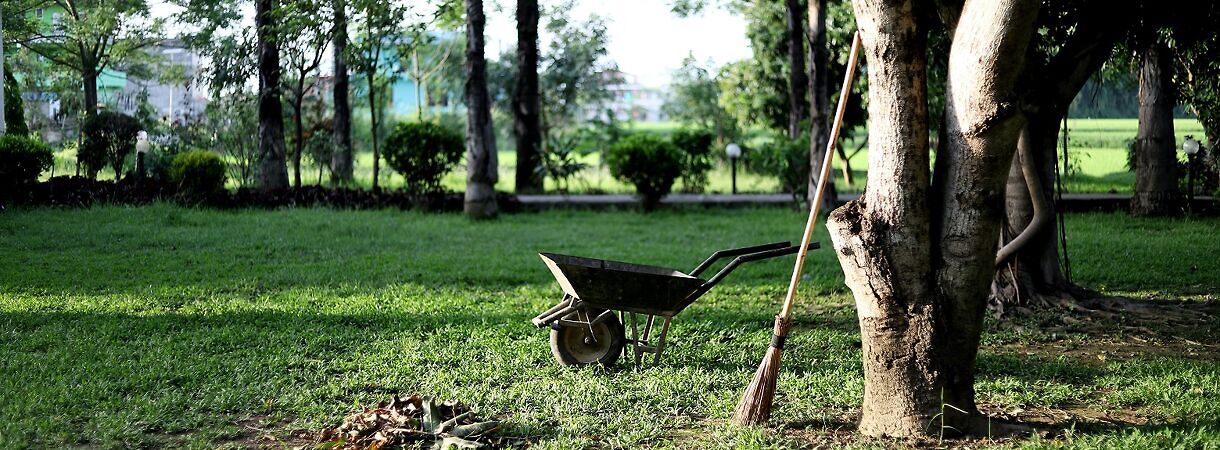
(728, 268)
(737, 252)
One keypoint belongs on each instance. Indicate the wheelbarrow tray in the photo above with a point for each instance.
(623, 286)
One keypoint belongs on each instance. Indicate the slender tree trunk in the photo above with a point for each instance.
(526, 102)
(919, 258)
(299, 146)
(341, 158)
(272, 167)
(1156, 182)
(798, 79)
(375, 128)
(481, 139)
(3, 111)
(819, 95)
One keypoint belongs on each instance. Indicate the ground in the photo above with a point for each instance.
(1098, 158)
(169, 327)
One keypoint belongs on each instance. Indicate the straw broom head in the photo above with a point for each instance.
(755, 405)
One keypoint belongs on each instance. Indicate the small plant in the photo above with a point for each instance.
(784, 159)
(199, 175)
(22, 160)
(423, 153)
(649, 163)
(561, 159)
(696, 147)
(109, 138)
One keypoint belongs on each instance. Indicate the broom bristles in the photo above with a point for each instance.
(755, 406)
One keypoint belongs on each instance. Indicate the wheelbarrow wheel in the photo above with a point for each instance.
(601, 343)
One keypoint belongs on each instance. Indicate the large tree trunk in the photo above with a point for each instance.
(797, 78)
(983, 123)
(819, 86)
(883, 239)
(1156, 182)
(272, 165)
(481, 167)
(1034, 270)
(341, 159)
(919, 260)
(526, 102)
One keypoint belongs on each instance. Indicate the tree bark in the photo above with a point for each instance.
(1035, 269)
(89, 77)
(983, 124)
(341, 157)
(798, 79)
(272, 164)
(883, 239)
(526, 102)
(819, 86)
(299, 123)
(3, 112)
(1156, 182)
(919, 257)
(481, 176)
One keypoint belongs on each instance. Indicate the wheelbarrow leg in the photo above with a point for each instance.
(635, 339)
(661, 342)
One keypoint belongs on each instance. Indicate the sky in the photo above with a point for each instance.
(646, 40)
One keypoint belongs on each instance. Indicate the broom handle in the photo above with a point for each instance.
(822, 178)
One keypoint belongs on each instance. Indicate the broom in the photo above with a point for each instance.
(755, 405)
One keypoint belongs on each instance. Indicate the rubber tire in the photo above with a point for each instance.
(561, 335)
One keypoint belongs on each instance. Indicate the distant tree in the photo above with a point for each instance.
(798, 79)
(1156, 179)
(341, 165)
(527, 104)
(576, 68)
(695, 100)
(3, 80)
(90, 36)
(379, 26)
(273, 167)
(305, 33)
(481, 166)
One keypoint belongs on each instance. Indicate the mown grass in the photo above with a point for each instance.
(170, 327)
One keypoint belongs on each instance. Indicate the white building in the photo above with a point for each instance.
(630, 100)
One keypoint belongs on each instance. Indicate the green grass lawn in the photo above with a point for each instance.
(168, 327)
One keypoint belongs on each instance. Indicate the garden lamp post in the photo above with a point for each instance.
(1191, 147)
(141, 150)
(733, 151)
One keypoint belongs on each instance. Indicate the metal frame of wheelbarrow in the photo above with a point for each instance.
(675, 291)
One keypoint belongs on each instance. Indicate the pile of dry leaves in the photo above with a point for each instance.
(415, 422)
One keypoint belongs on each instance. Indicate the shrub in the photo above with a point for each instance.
(22, 160)
(423, 153)
(696, 147)
(109, 138)
(199, 176)
(14, 106)
(648, 162)
(561, 159)
(785, 159)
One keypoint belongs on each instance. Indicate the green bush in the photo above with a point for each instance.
(785, 159)
(648, 162)
(696, 147)
(423, 153)
(199, 175)
(109, 138)
(22, 160)
(14, 106)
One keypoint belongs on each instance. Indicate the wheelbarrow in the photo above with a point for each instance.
(600, 296)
